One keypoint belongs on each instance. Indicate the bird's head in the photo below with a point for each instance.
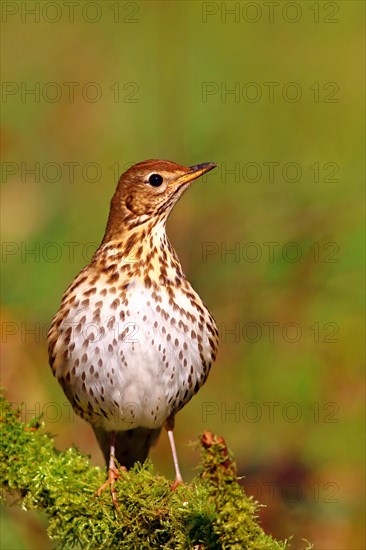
(147, 192)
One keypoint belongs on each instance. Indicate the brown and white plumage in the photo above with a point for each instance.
(132, 341)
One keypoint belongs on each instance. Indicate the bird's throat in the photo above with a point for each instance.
(143, 251)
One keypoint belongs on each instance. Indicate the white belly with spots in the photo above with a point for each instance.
(133, 361)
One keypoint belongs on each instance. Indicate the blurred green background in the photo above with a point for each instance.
(272, 92)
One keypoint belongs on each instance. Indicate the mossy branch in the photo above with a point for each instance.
(212, 512)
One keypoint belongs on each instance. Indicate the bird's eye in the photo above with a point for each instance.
(155, 180)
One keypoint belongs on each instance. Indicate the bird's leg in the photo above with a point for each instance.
(113, 473)
(169, 426)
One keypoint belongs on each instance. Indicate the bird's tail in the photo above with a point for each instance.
(130, 446)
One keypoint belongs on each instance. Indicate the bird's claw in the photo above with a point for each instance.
(176, 484)
(113, 475)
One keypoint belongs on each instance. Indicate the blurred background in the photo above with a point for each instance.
(272, 239)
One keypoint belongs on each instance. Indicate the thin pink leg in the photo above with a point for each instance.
(112, 451)
(178, 476)
(112, 471)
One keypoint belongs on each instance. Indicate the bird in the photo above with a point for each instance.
(132, 341)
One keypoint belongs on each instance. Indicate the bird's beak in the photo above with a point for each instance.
(195, 172)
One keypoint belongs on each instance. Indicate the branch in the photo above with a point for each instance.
(212, 512)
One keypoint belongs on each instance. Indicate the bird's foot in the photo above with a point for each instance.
(113, 475)
(176, 484)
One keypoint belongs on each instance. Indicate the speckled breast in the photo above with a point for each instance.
(133, 356)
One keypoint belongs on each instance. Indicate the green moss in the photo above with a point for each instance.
(212, 511)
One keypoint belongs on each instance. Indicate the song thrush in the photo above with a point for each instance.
(132, 341)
